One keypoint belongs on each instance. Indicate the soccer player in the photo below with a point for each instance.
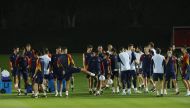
(55, 69)
(158, 62)
(125, 69)
(115, 68)
(133, 74)
(14, 68)
(110, 47)
(106, 68)
(46, 59)
(171, 69)
(23, 65)
(151, 48)
(185, 69)
(67, 68)
(146, 62)
(100, 52)
(86, 58)
(39, 75)
(95, 66)
(140, 79)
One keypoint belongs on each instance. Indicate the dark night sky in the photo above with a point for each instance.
(76, 23)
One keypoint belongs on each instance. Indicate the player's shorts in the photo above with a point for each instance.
(32, 72)
(15, 72)
(24, 74)
(125, 75)
(157, 76)
(186, 76)
(170, 75)
(70, 71)
(46, 76)
(140, 71)
(133, 73)
(146, 74)
(55, 73)
(115, 74)
(39, 78)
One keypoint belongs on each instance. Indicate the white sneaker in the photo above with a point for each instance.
(60, 94)
(129, 91)
(56, 93)
(123, 93)
(118, 90)
(165, 92)
(92, 74)
(137, 91)
(67, 93)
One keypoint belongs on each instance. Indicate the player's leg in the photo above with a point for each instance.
(36, 90)
(186, 83)
(26, 82)
(123, 81)
(61, 87)
(155, 78)
(161, 84)
(72, 83)
(55, 86)
(129, 78)
(67, 87)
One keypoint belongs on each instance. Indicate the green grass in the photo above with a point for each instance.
(81, 98)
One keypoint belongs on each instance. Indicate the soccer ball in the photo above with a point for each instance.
(102, 78)
(110, 81)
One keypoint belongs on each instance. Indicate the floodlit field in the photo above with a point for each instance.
(81, 98)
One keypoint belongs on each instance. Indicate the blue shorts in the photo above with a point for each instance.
(186, 76)
(15, 72)
(70, 71)
(146, 74)
(46, 76)
(39, 78)
(170, 75)
(157, 76)
(115, 74)
(24, 74)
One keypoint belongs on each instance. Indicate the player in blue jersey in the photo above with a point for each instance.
(86, 58)
(115, 68)
(146, 62)
(54, 67)
(170, 71)
(12, 60)
(23, 65)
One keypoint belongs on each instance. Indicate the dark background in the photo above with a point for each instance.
(76, 23)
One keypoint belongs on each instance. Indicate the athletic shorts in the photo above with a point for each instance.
(133, 73)
(55, 73)
(140, 71)
(15, 72)
(39, 78)
(70, 71)
(157, 76)
(186, 76)
(146, 74)
(24, 74)
(46, 76)
(115, 74)
(170, 75)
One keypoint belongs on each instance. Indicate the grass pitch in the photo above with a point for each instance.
(80, 97)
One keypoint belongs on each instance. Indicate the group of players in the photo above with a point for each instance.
(36, 66)
(123, 70)
(133, 68)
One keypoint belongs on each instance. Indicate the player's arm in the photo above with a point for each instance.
(109, 67)
(10, 64)
(84, 62)
(71, 60)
